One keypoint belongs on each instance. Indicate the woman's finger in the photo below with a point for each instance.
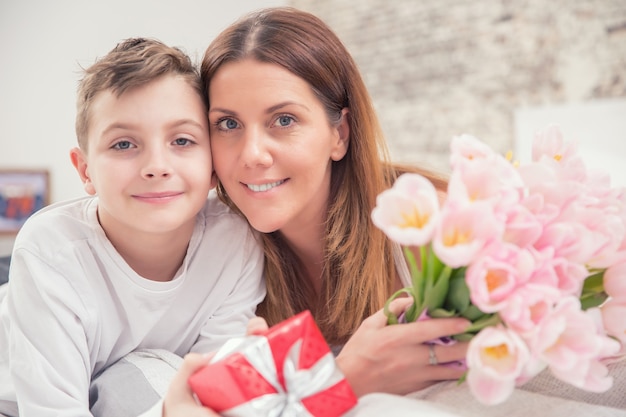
(192, 362)
(447, 353)
(430, 329)
(256, 326)
(379, 319)
(180, 400)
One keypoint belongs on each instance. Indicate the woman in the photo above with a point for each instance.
(299, 152)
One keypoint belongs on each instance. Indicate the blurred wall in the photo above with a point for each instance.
(44, 44)
(498, 69)
(492, 68)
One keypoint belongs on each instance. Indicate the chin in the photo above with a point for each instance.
(263, 226)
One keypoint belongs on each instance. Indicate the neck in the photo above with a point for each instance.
(307, 244)
(156, 257)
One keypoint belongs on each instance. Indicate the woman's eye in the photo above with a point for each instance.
(284, 121)
(227, 124)
(122, 145)
(182, 142)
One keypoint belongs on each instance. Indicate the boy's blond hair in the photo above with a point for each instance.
(132, 63)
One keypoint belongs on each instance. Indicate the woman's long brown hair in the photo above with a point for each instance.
(359, 272)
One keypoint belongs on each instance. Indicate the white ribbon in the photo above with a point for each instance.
(300, 383)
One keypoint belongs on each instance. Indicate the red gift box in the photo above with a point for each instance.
(288, 371)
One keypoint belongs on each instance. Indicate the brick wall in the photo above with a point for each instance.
(439, 68)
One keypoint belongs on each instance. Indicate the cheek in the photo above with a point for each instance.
(221, 165)
(222, 159)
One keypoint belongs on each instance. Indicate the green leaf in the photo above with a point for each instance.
(436, 295)
(485, 321)
(462, 378)
(464, 337)
(440, 313)
(594, 283)
(458, 295)
(592, 300)
(435, 264)
(472, 313)
(593, 290)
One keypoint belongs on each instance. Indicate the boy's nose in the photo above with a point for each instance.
(156, 165)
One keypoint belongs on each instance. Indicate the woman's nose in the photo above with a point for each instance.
(255, 150)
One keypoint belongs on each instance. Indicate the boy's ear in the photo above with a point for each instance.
(80, 163)
(340, 147)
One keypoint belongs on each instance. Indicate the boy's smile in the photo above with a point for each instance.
(148, 159)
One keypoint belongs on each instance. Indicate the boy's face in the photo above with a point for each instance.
(149, 159)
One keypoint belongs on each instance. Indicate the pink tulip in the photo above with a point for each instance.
(408, 211)
(528, 306)
(522, 228)
(467, 147)
(463, 231)
(497, 183)
(569, 275)
(532, 240)
(571, 343)
(613, 318)
(496, 357)
(496, 274)
(570, 240)
(549, 147)
(615, 281)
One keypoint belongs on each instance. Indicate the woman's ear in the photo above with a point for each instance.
(80, 163)
(340, 147)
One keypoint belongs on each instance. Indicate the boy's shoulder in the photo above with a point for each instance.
(60, 220)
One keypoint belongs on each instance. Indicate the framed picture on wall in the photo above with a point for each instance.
(22, 192)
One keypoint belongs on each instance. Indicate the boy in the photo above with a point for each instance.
(145, 262)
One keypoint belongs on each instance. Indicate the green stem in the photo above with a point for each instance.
(392, 318)
(416, 274)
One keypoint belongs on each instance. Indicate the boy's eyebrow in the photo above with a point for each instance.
(185, 122)
(175, 123)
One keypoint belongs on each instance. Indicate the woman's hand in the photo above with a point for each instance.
(179, 400)
(394, 359)
(256, 326)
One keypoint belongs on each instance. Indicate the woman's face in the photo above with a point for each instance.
(272, 145)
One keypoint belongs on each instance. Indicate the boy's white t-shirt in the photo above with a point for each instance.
(73, 306)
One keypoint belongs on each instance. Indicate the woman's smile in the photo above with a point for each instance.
(273, 145)
(260, 188)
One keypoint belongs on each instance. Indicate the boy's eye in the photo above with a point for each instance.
(284, 121)
(122, 145)
(227, 124)
(182, 141)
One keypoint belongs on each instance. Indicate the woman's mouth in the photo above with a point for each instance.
(260, 188)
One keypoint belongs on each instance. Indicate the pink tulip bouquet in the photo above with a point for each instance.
(534, 254)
